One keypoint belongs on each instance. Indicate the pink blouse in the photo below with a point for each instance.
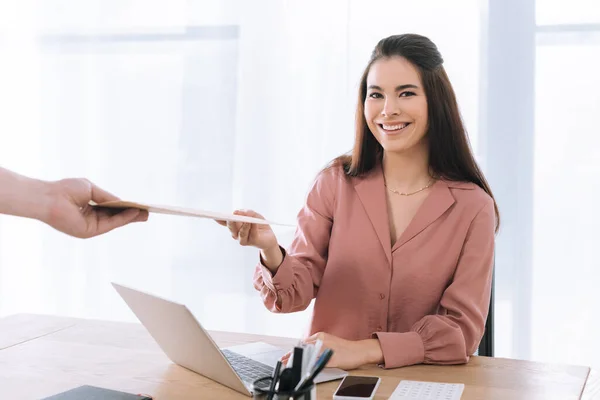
(426, 298)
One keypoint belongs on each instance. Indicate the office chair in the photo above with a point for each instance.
(486, 346)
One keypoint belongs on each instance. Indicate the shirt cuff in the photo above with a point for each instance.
(283, 277)
(401, 349)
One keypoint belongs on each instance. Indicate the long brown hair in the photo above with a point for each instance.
(450, 155)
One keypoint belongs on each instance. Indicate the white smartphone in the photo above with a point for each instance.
(357, 388)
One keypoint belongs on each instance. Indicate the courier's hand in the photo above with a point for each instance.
(68, 210)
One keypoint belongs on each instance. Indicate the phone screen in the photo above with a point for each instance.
(357, 386)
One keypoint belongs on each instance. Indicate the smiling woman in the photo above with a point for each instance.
(391, 109)
(405, 82)
(399, 276)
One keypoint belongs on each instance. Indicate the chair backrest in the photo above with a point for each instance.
(486, 346)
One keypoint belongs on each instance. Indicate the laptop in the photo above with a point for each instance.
(188, 344)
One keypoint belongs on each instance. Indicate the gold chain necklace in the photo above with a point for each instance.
(431, 182)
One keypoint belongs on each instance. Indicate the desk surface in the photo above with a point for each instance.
(44, 355)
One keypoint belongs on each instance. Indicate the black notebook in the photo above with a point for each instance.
(95, 393)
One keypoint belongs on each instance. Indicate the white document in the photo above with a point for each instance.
(416, 390)
(187, 212)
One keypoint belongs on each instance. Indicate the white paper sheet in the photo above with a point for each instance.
(417, 390)
(187, 212)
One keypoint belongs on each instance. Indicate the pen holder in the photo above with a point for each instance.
(308, 393)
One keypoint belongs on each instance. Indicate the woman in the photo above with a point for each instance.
(396, 240)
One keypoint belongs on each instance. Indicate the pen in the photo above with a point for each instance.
(274, 381)
(317, 368)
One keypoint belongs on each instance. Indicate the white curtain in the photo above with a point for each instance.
(208, 104)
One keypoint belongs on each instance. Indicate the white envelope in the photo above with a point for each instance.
(187, 212)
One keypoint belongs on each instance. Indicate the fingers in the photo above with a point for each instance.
(234, 228)
(108, 223)
(240, 231)
(100, 195)
(244, 233)
(314, 338)
(286, 358)
(142, 216)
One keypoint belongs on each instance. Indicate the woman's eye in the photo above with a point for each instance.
(407, 94)
(375, 96)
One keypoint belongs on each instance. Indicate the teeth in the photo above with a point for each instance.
(394, 127)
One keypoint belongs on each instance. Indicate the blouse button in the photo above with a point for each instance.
(381, 296)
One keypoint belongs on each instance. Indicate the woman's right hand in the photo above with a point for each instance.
(258, 235)
(248, 234)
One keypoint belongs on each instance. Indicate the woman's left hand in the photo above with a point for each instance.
(347, 354)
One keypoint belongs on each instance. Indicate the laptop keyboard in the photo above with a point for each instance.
(248, 369)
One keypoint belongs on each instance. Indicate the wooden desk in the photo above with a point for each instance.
(44, 355)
